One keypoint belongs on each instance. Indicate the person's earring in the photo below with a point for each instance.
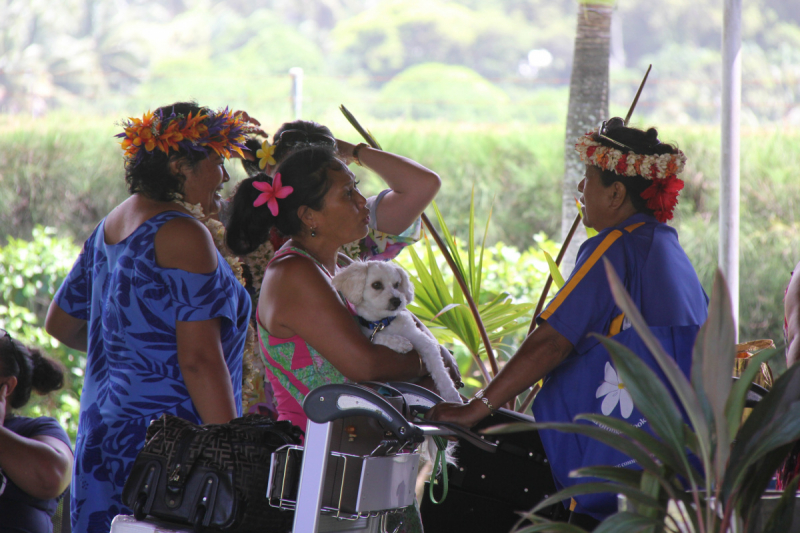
(313, 232)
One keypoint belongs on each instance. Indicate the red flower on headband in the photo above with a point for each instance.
(662, 196)
(270, 193)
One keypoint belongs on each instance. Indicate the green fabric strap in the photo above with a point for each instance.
(439, 463)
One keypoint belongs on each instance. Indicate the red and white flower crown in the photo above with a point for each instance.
(663, 170)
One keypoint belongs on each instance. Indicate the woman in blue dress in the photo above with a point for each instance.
(160, 313)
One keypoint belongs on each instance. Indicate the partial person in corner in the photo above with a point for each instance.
(35, 453)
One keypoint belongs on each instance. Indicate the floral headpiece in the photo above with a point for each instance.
(663, 170)
(221, 131)
(270, 193)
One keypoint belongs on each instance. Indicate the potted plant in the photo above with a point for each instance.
(737, 459)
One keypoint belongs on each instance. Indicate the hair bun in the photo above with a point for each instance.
(614, 123)
(652, 136)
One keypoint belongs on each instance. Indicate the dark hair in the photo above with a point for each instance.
(305, 170)
(290, 137)
(152, 176)
(631, 140)
(33, 370)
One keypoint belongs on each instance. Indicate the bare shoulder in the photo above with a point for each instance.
(296, 273)
(185, 244)
(292, 286)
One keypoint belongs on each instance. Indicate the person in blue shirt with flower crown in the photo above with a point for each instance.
(159, 311)
(629, 192)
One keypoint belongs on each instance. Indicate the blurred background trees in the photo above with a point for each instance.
(109, 55)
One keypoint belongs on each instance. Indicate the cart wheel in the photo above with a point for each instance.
(138, 507)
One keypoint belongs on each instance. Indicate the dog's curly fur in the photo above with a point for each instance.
(379, 290)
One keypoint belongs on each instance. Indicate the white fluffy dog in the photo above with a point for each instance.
(380, 292)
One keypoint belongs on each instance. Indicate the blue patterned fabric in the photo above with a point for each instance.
(132, 373)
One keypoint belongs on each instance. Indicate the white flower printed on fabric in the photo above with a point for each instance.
(615, 393)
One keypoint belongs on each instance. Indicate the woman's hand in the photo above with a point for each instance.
(412, 186)
(466, 415)
(345, 151)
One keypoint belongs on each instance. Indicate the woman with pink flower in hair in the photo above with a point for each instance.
(629, 192)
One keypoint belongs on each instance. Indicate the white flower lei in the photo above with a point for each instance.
(661, 166)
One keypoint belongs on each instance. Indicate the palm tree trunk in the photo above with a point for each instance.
(588, 104)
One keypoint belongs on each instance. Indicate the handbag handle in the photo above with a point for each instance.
(179, 464)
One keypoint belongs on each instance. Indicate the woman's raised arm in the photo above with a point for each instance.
(413, 186)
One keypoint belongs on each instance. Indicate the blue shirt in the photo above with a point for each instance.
(649, 260)
(19, 511)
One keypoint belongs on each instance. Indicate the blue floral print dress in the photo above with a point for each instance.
(132, 374)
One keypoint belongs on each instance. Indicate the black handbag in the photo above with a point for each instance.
(488, 490)
(211, 476)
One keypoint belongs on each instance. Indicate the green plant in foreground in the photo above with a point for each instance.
(738, 460)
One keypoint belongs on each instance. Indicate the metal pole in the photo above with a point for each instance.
(729, 168)
(297, 91)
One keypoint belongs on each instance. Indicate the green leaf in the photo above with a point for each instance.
(761, 437)
(738, 395)
(682, 387)
(780, 520)
(632, 493)
(628, 523)
(756, 480)
(641, 456)
(552, 527)
(445, 309)
(712, 367)
(664, 453)
(650, 396)
(555, 273)
(623, 476)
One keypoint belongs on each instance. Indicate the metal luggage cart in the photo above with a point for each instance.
(334, 483)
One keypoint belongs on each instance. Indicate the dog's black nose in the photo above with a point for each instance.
(395, 302)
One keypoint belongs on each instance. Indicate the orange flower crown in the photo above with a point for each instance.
(221, 131)
(663, 170)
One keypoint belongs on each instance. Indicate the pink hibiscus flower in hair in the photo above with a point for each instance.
(662, 196)
(270, 193)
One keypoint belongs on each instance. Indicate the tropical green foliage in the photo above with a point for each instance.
(738, 459)
(30, 273)
(446, 310)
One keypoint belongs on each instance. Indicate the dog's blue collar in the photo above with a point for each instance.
(376, 326)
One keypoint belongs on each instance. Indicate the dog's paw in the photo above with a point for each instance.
(395, 342)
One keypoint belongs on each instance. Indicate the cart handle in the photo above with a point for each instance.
(335, 401)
